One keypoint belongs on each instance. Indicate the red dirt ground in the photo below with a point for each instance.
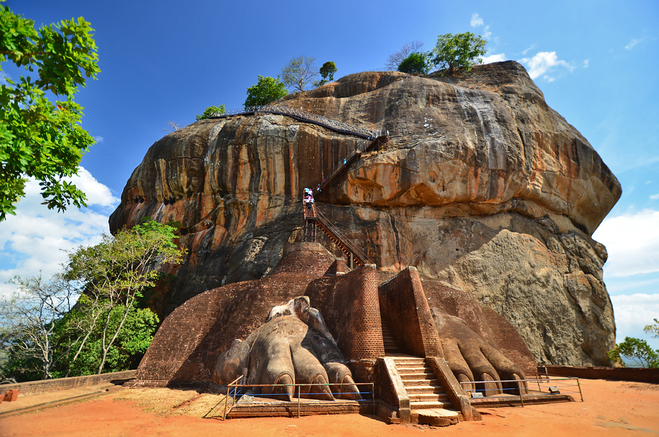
(610, 409)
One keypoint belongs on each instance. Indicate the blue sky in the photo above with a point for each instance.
(161, 61)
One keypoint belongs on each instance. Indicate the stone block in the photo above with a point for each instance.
(11, 395)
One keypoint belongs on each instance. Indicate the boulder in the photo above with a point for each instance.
(481, 186)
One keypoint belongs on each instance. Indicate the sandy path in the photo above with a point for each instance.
(610, 409)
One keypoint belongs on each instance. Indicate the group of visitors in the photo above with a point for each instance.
(308, 198)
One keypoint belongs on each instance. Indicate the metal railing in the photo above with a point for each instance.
(552, 386)
(334, 233)
(237, 390)
(304, 116)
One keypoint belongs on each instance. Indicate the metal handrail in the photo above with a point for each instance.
(329, 228)
(304, 116)
(233, 383)
(528, 380)
(298, 386)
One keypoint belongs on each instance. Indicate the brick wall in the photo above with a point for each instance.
(191, 338)
(608, 373)
(350, 306)
(405, 310)
(51, 385)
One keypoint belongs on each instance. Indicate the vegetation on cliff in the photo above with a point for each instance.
(266, 90)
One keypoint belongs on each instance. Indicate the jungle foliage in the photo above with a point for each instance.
(90, 317)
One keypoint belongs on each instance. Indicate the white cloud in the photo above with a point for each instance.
(476, 20)
(633, 43)
(632, 241)
(548, 78)
(654, 197)
(98, 139)
(97, 193)
(486, 32)
(585, 63)
(494, 58)
(543, 62)
(34, 240)
(632, 312)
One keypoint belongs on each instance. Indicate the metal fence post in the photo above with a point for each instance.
(580, 392)
(298, 401)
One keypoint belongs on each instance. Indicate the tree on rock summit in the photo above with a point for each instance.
(459, 52)
(267, 90)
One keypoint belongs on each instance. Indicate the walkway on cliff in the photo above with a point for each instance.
(313, 218)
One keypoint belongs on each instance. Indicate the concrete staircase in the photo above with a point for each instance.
(429, 403)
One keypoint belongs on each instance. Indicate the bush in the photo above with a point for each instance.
(212, 111)
(415, 63)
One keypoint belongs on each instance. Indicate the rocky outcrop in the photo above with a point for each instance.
(482, 187)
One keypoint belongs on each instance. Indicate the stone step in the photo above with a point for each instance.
(429, 405)
(417, 375)
(422, 389)
(410, 359)
(414, 369)
(436, 417)
(421, 382)
(429, 397)
(408, 362)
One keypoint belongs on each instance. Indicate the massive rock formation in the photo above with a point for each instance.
(482, 187)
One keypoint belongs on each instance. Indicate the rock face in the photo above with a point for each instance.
(482, 187)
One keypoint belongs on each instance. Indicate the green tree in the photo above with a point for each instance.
(87, 315)
(327, 73)
(29, 325)
(39, 138)
(298, 73)
(638, 351)
(415, 63)
(653, 329)
(212, 111)
(267, 90)
(458, 52)
(118, 269)
(132, 342)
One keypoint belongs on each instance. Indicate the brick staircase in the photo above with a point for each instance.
(429, 403)
(390, 345)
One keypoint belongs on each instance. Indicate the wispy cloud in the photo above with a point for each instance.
(98, 139)
(633, 43)
(632, 241)
(544, 62)
(34, 241)
(654, 197)
(476, 20)
(524, 52)
(585, 63)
